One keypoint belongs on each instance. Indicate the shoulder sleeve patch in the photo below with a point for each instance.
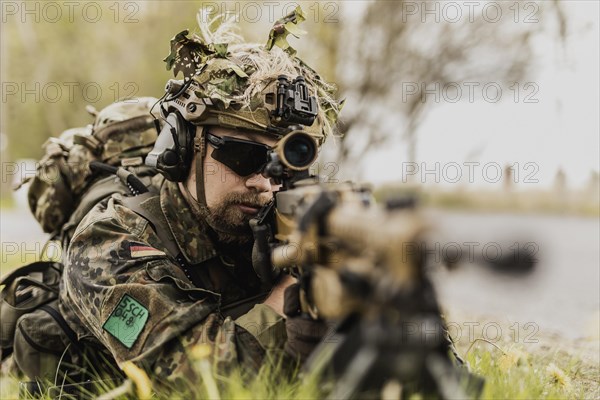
(138, 250)
(127, 321)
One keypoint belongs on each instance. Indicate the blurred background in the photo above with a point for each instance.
(488, 110)
(509, 88)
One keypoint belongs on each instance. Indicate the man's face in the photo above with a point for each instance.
(232, 199)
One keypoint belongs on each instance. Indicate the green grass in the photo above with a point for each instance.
(518, 375)
(9, 388)
(510, 374)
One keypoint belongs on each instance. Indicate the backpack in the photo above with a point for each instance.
(80, 168)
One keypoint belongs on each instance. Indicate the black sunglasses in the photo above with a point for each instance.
(243, 157)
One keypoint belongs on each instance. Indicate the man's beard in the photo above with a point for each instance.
(228, 220)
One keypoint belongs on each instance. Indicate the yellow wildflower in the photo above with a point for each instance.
(200, 351)
(510, 359)
(558, 376)
(140, 378)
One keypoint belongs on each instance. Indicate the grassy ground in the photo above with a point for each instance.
(534, 372)
(552, 367)
(549, 369)
(514, 375)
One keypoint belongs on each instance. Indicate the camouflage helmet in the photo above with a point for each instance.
(261, 88)
(122, 110)
(114, 127)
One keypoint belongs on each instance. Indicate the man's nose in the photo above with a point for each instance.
(258, 183)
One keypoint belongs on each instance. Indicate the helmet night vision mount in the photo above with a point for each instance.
(294, 104)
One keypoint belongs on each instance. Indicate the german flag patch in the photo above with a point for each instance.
(138, 250)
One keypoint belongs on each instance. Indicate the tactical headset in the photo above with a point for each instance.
(173, 151)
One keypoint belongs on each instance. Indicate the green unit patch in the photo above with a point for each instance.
(127, 321)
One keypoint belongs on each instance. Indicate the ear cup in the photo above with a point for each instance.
(174, 148)
(185, 133)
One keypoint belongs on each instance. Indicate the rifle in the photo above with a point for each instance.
(357, 265)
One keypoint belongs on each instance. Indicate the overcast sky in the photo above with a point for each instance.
(561, 130)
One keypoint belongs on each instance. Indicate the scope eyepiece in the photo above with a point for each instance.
(297, 151)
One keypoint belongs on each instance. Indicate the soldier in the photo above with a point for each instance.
(147, 278)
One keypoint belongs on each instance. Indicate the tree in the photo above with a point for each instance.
(400, 50)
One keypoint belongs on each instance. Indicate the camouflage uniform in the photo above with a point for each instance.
(123, 291)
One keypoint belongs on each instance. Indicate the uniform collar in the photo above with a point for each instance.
(189, 233)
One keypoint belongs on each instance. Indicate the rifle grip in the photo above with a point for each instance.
(261, 253)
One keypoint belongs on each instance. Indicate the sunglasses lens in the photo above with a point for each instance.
(242, 158)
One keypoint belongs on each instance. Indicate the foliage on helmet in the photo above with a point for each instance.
(235, 75)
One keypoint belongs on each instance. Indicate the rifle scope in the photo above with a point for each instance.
(297, 150)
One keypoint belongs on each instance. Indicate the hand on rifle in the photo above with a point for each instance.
(303, 332)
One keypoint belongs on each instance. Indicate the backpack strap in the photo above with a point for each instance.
(23, 293)
(99, 190)
(70, 333)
